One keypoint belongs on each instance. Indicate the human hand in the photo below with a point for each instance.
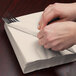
(65, 11)
(58, 36)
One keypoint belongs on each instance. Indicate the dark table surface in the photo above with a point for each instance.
(9, 65)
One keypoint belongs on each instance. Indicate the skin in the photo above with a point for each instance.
(61, 34)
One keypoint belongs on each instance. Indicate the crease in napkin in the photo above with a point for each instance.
(28, 23)
(24, 29)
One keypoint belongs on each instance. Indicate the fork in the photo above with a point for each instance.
(9, 19)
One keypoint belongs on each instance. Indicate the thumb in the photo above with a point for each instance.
(46, 18)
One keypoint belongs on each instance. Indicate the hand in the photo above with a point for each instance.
(58, 36)
(66, 12)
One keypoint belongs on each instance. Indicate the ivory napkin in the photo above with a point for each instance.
(30, 54)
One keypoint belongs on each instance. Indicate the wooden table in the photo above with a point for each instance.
(9, 65)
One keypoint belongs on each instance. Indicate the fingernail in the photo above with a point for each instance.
(39, 27)
(42, 27)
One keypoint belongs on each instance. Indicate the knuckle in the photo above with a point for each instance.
(57, 48)
(42, 42)
(49, 5)
(56, 43)
(39, 35)
(46, 46)
(53, 44)
(45, 15)
(56, 9)
(45, 30)
(48, 39)
(60, 49)
(55, 4)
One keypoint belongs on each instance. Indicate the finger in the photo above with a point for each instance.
(53, 21)
(40, 24)
(42, 41)
(60, 20)
(46, 11)
(48, 7)
(67, 45)
(39, 27)
(48, 17)
(40, 34)
(59, 47)
(51, 44)
(62, 46)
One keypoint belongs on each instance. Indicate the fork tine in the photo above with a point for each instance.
(9, 18)
(13, 18)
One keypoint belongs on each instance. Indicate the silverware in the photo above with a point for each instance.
(9, 18)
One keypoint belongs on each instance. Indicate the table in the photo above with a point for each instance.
(9, 65)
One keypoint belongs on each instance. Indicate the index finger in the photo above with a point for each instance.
(40, 34)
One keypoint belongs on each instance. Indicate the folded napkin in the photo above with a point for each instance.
(30, 54)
